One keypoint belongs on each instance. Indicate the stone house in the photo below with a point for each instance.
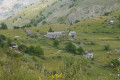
(72, 34)
(111, 22)
(14, 46)
(88, 54)
(53, 35)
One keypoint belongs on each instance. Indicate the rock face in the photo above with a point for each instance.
(69, 11)
(56, 11)
(10, 7)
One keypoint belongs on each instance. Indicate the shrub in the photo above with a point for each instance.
(34, 36)
(55, 43)
(9, 41)
(107, 13)
(35, 50)
(17, 27)
(70, 47)
(92, 43)
(22, 47)
(115, 63)
(38, 50)
(72, 5)
(44, 22)
(50, 30)
(119, 18)
(77, 21)
(80, 50)
(106, 47)
(2, 37)
(118, 25)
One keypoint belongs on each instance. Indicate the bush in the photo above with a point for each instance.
(38, 50)
(2, 37)
(115, 63)
(34, 36)
(72, 5)
(92, 43)
(107, 14)
(70, 47)
(77, 21)
(55, 43)
(30, 49)
(22, 48)
(107, 47)
(118, 25)
(80, 50)
(119, 18)
(17, 27)
(35, 50)
(44, 22)
(9, 41)
(50, 30)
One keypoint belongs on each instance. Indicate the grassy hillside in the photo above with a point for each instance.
(57, 60)
(31, 12)
(61, 11)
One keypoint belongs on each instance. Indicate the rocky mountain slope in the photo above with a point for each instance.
(10, 7)
(62, 11)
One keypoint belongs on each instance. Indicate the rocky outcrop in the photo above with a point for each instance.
(60, 11)
(10, 7)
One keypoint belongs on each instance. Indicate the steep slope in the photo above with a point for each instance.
(79, 10)
(62, 11)
(10, 7)
(30, 12)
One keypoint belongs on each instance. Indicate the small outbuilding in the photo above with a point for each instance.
(88, 54)
(72, 34)
(111, 22)
(53, 35)
(14, 45)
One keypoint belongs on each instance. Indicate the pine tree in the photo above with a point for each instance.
(50, 30)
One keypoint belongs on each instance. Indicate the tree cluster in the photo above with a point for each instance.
(70, 47)
(37, 50)
(3, 26)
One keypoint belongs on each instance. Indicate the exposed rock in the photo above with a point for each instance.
(117, 50)
(10, 7)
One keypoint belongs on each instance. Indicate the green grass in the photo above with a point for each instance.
(54, 58)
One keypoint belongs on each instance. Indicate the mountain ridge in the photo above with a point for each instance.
(62, 12)
(8, 8)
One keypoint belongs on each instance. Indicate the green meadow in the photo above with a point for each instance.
(57, 60)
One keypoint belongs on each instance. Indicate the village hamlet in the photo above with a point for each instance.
(54, 35)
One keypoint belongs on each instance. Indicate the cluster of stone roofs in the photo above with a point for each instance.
(54, 35)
